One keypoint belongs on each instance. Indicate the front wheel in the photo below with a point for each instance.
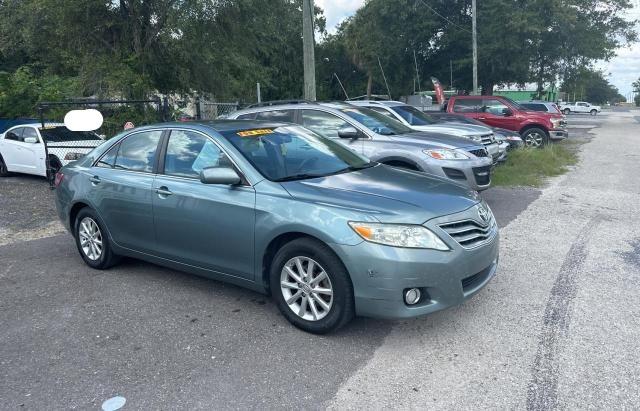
(311, 286)
(535, 138)
(92, 240)
(594, 112)
(566, 111)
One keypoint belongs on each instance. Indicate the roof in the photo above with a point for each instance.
(220, 126)
(388, 103)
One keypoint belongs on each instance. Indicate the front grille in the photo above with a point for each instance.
(454, 173)
(470, 233)
(483, 175)
(487, 139)
(481, 152)
(563, 123)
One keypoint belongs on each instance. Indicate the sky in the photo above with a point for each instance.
(624, 69)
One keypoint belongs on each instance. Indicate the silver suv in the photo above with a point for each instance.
(418, 120)
(385, 140)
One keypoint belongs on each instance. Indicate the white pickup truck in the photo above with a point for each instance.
(579, 107)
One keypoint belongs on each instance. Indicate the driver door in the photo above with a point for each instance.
(11, 149)
(496, 114)
(33, 153)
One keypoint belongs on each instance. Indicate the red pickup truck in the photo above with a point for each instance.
(535, 127)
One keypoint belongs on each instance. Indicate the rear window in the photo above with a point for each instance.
(413, 116)
(535, 106)
(61, 133)
(283, 116)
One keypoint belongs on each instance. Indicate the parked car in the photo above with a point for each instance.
(6, 123)
(539, 105)
(536, 128)
(279, 209)
(412, 117)
(580, 107)
(22, 147)
(501, 134)
(385, 140)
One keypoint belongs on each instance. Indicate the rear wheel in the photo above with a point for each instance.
(311, 286)
(4, 172)
(535, 137)
(594, 112)
(92, 240)
(566, 111)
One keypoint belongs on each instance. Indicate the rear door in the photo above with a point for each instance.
(33, 153)
(204, 225)
(468, 107)
(122, 181)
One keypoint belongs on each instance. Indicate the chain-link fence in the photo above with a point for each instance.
(63, 146)
(210, 110)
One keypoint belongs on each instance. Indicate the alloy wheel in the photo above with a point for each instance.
(534, 139)
(306, 288)
(90, 238)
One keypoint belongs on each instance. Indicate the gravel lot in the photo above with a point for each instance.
(557, 328)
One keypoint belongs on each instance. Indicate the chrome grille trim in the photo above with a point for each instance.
(471, 233)
(487, 139)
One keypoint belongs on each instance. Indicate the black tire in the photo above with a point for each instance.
(342, 308)
(535, 137)
(106, 258)
(566, 111)
(593, 112)
(54, 164)
(4, 172)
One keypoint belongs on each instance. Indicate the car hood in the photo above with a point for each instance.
(455, 129)
(389, 194)
(435, 139)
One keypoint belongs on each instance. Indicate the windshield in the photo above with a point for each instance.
(60, 134)
(376, 122)
(414, 116)
(294, 153)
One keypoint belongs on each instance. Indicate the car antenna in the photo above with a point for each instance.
(341, 86)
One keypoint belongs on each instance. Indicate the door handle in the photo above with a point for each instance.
(95, 180)
(163, 191)
(482, 118)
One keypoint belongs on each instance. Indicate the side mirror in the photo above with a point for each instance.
(348, 132)
(507, 112)
(220, 175)
(30, 140)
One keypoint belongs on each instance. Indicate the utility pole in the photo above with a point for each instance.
(308, 51)
(475, 47)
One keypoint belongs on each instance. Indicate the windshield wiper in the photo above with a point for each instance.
(302, 176)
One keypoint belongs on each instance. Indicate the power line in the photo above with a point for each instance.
(443, 17)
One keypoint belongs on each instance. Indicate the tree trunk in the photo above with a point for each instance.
(487, 88)
(369, 86)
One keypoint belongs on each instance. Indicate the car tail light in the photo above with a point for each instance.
(58, 179)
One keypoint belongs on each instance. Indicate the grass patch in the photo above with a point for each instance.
(531, 166)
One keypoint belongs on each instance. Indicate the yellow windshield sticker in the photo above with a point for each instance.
(257, 132)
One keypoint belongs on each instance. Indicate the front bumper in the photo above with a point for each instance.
(380, 274)
(494, 151)
(558, 134)
(474, 173)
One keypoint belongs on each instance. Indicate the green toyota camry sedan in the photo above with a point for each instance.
(281, 210)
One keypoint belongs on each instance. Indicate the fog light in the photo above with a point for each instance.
(412, 296)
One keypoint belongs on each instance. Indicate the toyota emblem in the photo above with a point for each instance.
(483, 214)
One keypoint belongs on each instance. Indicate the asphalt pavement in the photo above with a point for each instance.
(557, 328)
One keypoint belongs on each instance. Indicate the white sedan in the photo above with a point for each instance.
(22, 148)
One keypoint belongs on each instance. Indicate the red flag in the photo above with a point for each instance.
(438, 88)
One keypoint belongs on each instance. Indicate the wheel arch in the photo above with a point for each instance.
(534, 125)
(276, 244)
(396, 160)
(73, 213)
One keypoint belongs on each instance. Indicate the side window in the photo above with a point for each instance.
(30, 132)
(495, 107)
(382, 111)
(188, 153)
(138, 151)
(108, 160)
(249, 116)
(14, 135)
(325, 124)
(285, 116)
(467, 105)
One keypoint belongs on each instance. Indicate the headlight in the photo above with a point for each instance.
(446, 154)
(399, 235)
(474, 138)
(555, 122)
